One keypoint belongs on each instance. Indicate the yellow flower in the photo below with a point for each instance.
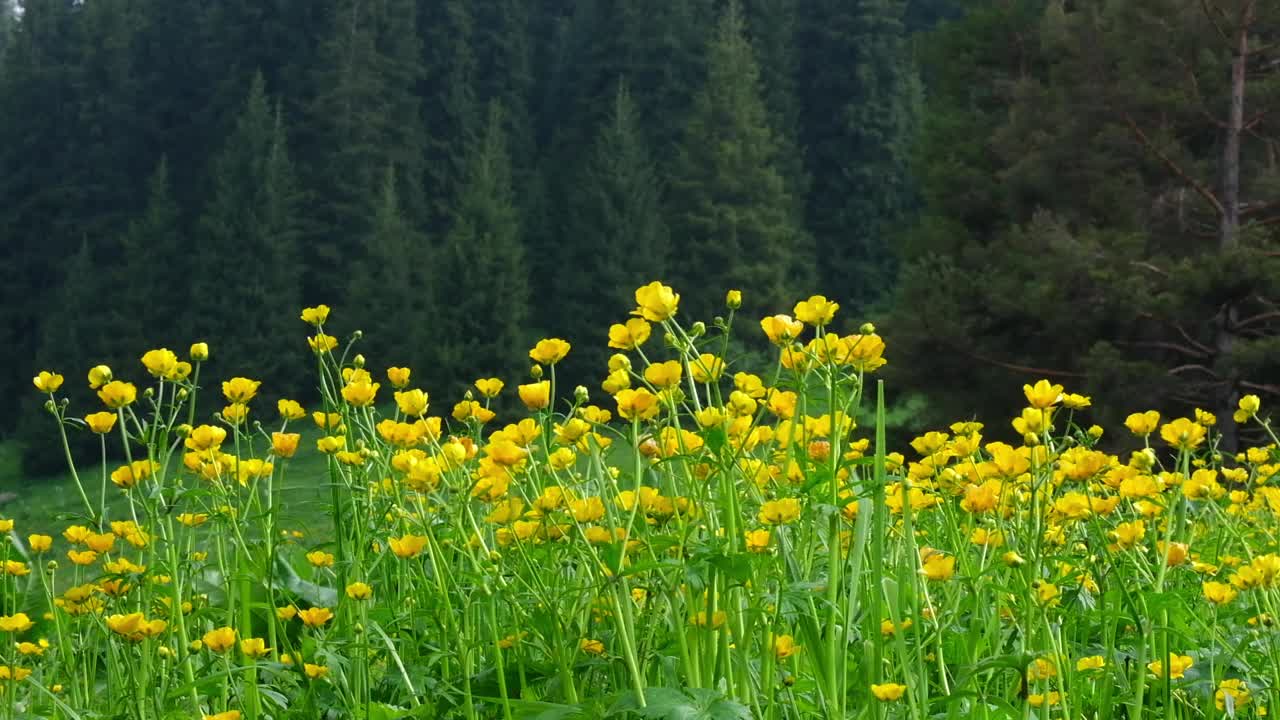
(1178, 666)
(888, 692)
(228, 715)
(315, 672)
(360, 394)
(1042, 395)
(656, 302)
(135, 626)
(47, 382)
(290, 409)
(235, 413)
(1142, 423)
(199, 351)
(1092, 662)
(100, 542)
(1248, 407)
(359, 591)
(707, 368)
(549, 351)
(39, 543)
(116, 394)
(161, 363)
(591, 647)
(781, 329)
(193, 519)
(240, 389)
(535, 396)
(284, 445)
(937, 567)
(331, 444)
(315, 315)
(629, 335)
(315, 617)
(82, 557)
(412, 403)
(662, 375)
(320, 558)
(16, 623)
(1183, 434)
(784, 646)
(779, 512)
(637, 404)
(1129, 534)
(220, 640)
(321, 343)
(205, 437)
(408, 546)
(1219, 593)
(817, 310)
(101, 422)
(1053, 697)
(30, 648)
(733, 299)
(1236, 689)
(489, 387)
(254, 647)
(99, 375)
(398, 377)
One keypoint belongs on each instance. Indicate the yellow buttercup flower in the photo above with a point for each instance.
(407, 546)
(707, 368)
(116, 394)
(227, 715)
(220, 639)
(1219, 593)
(784, 646)
(240, 389)
(320, 558)
(412, 403)
(99, 375)
(398, 377)
(489, 387)
(1143, 423)
(591, 647)
(161, 363)
(1042, 395)
(315, 672)
(360, 394)
(101, 423)
(629, 335)
(321, 343)
(39, 543)
(16, 623)
(235, 413)
(315, 617)
(549, 351)
(205, 437)
(315, 315)
(359, 591)
(284, 445)
(638, 404)
(888, 692)
(1183, 434)
(1247, 408)
(937, 567)
(816, 311)
(254, 647)
(1092, 662)
(290, 409)
(656, 302)
(1178, 666)
(47, 382)
(780, 512)
(199, 351)
(535, 396)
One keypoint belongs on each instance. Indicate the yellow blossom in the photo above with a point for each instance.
(116, 394)
(535, 396)
(816, 311)
(888, 692)
(220, 639)
(656, 302)
(549, 351)
(101, 422)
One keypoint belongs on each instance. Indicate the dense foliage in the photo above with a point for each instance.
(459, 169)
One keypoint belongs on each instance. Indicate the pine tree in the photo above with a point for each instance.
(367, 117)
(245, 279)
(615, 238)
(861, 102)
(392, 287)
(483, 291)
(733, 217)
(454, 116)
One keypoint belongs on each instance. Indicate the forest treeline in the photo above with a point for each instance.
(1082, 190)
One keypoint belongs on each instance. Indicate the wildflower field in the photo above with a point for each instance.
(706, 541)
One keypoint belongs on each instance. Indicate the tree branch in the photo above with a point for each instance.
(1203, 191)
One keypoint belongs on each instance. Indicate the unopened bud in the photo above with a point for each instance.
(733, 299)
(580, 394)
(698, 329)
(358, 360)
(867, 329)
(536, 372)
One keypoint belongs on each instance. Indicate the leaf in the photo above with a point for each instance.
(382, 711)
(697, 704)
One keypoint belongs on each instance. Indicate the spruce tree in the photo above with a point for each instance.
(615, 238)
(245, 275)
(480, 325)
(861, 103)
(732, 215)
(392, 287)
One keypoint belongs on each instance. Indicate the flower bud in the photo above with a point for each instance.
(358, 360)
(867, 329)
(698, 329)
(580, 394)
(51, 407)
(200, 351)
(733, 299)
(536, 372)
(51, 566)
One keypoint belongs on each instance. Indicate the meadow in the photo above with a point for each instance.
(694, 538)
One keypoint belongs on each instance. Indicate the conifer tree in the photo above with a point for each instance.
(483, 291)
(392, 287)
(861, 102)
(245, 277)
(733, 216)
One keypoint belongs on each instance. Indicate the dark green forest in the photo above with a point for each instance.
(1084, 190)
